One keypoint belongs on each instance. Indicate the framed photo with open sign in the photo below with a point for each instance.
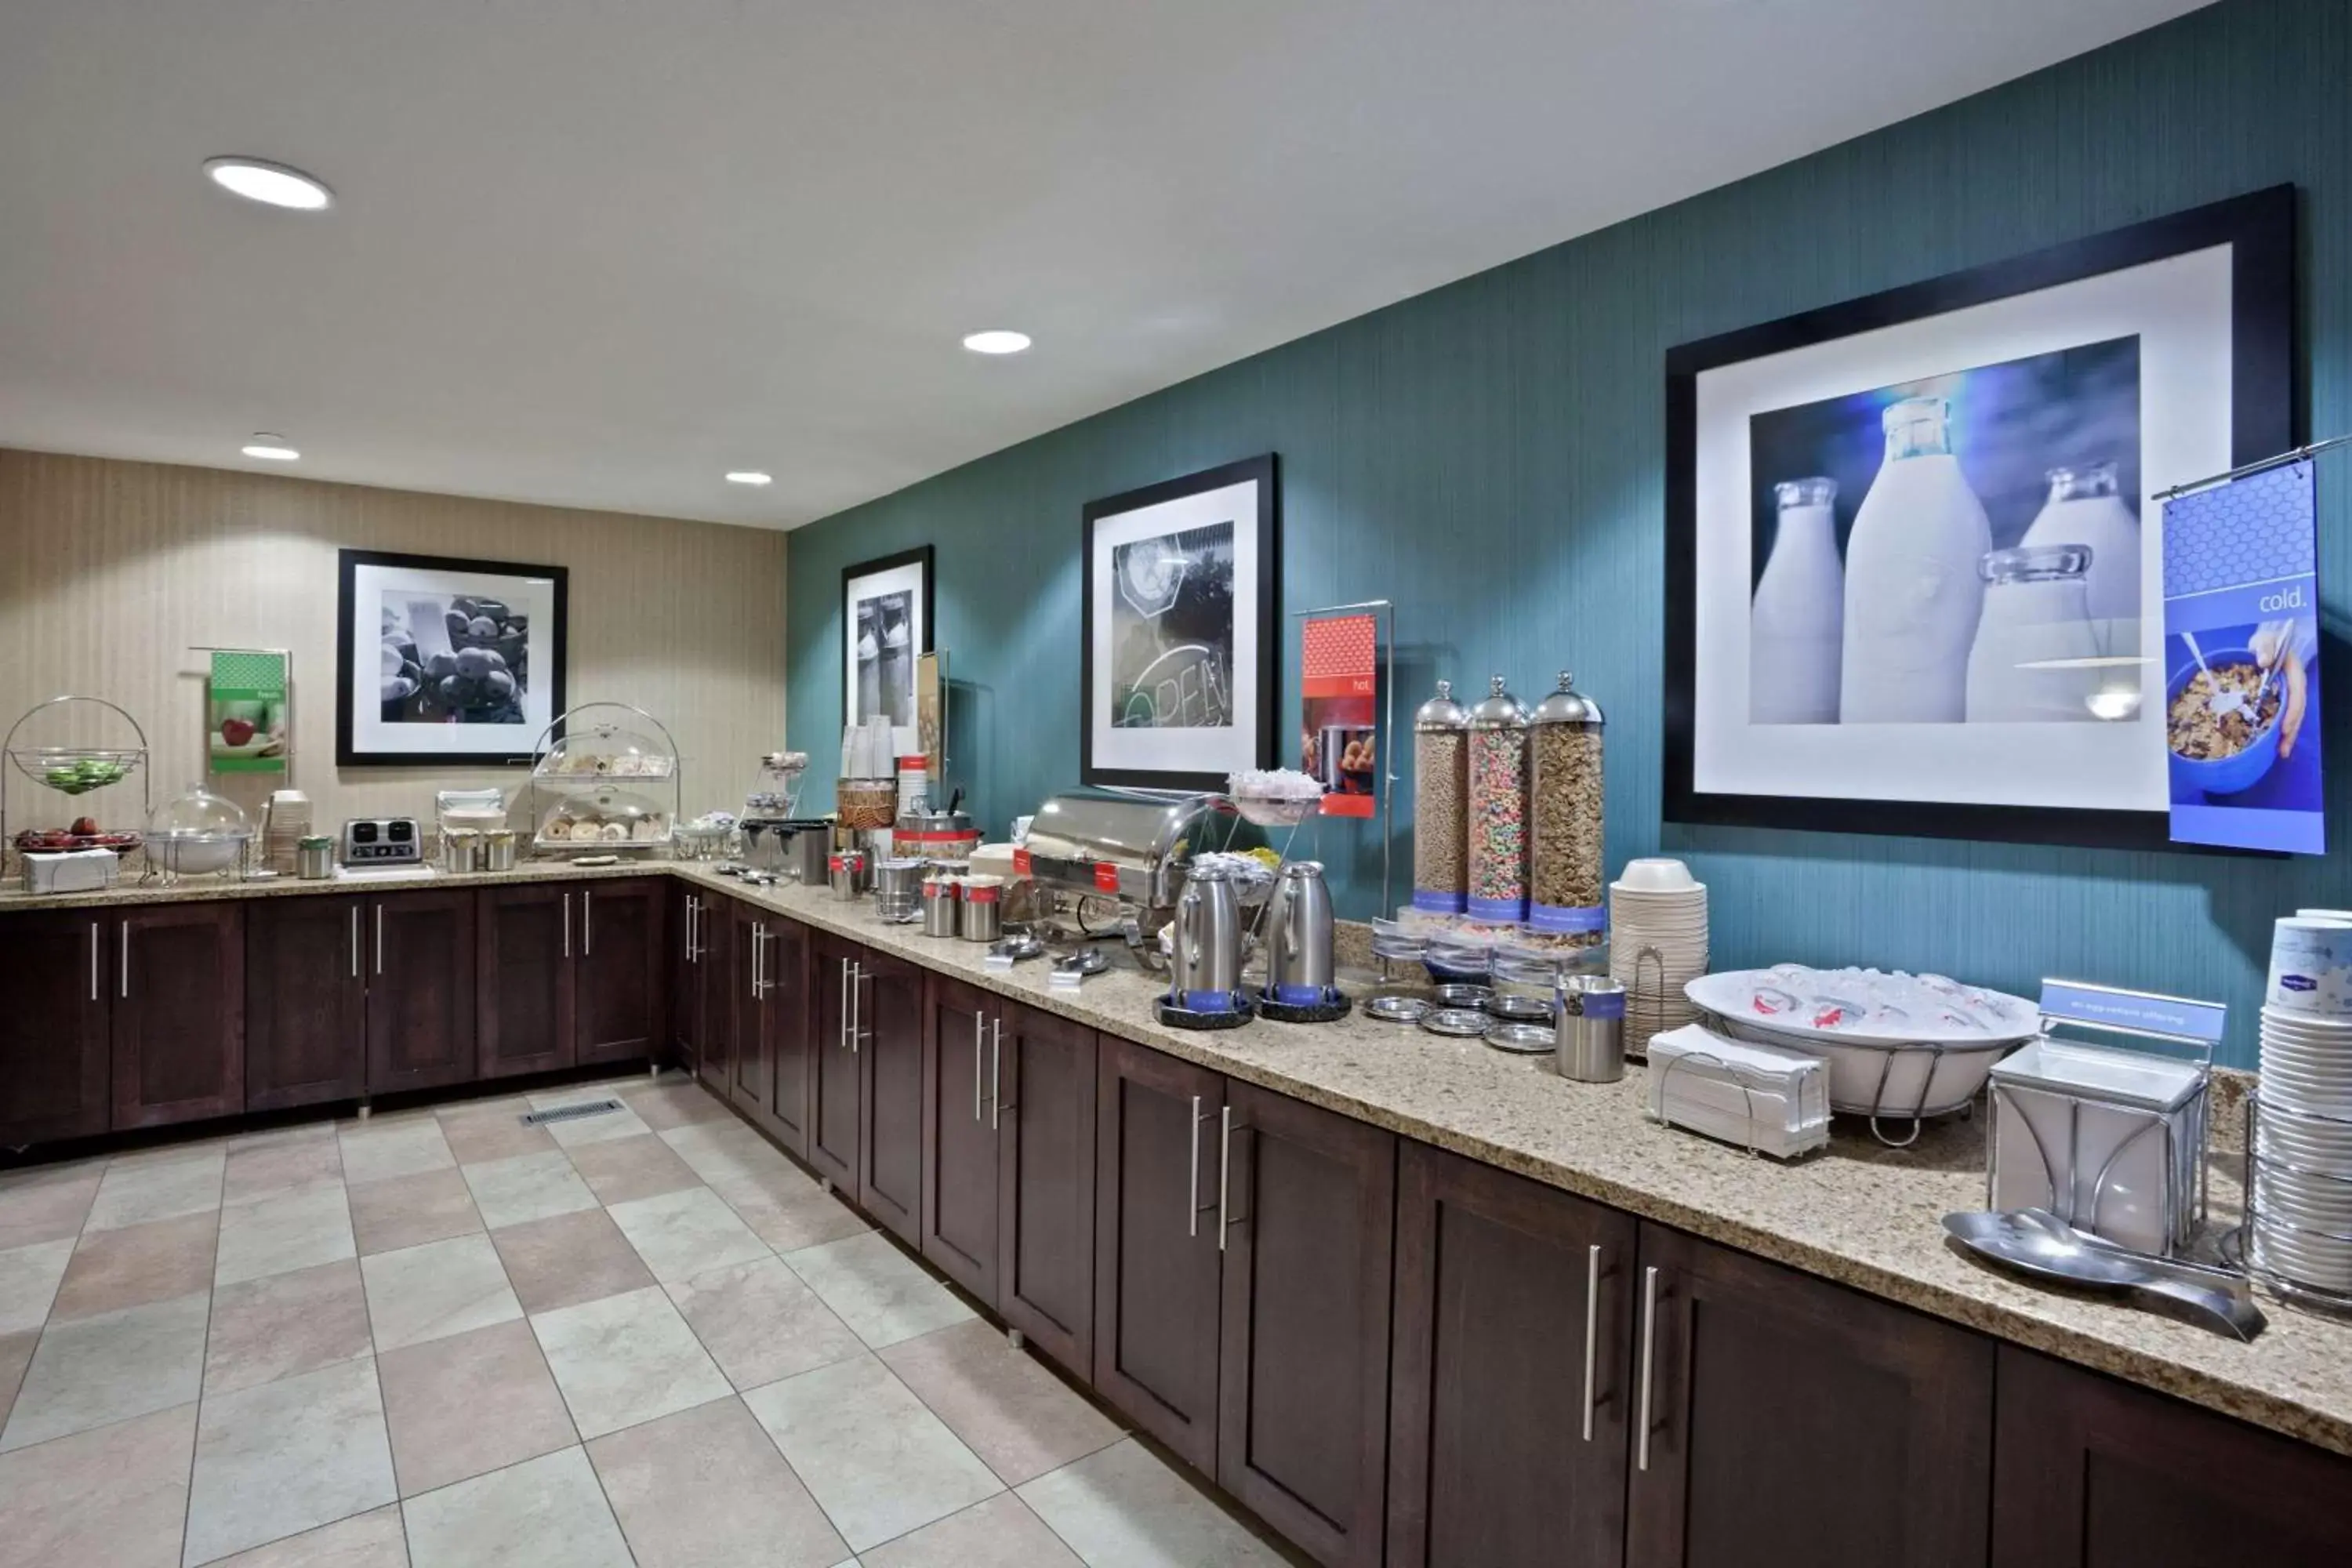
(1913, 561)
(1178, 657)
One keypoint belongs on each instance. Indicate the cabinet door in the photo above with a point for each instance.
(617, 978)
(2092, 1473)
(420, 1006)
(718, 989)
(786, 972)
(55, 1060)
(833, 1062)
(523, 1012)
(751, 1070)
(179, 1013)
(1041, 1099)
(1307, 1218)
(1507, 1413)
(1156, 1259)
(887, 994)
(1758, 1381)
(305, 1001)
(960, 1135)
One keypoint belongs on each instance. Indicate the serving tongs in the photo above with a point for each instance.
(2038, 1244)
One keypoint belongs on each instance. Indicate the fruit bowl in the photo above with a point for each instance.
(75, 770)
(56, 840)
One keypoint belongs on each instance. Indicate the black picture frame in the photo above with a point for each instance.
(2260, 227)
(920, 557)
(1264, 615)
(349, 753)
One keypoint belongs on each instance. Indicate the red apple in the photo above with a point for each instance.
(237, 732)
(84, 827)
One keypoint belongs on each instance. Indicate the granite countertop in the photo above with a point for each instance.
(1856, 1213)
(205, 890)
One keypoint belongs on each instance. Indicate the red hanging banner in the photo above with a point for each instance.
(1338, 732)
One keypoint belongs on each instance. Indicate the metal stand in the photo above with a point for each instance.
(2245, 1241)
(1386, 610)
(133, 759)
(559, 733)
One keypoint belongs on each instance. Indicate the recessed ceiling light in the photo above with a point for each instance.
(750, 477)
(276, 448)
(997, 342)
(274, 184)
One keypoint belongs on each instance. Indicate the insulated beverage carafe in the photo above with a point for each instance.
(1912, 594)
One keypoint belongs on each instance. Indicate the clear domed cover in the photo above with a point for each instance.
(199, 815)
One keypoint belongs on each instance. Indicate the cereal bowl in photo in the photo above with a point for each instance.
(2191, 725)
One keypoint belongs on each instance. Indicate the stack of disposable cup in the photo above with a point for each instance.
(1657, 944)
(2301, 1230)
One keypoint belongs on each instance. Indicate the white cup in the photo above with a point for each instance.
(1656, 874)
(2311, 965)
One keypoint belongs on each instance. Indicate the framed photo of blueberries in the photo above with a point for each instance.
(440, 660)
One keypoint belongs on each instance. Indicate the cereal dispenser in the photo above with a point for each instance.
(1564, 795)
(1499, 807)
(1441, 788)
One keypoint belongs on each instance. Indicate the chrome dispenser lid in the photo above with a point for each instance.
(1501, 711)
(1567, 705)
(1302, 871)
(1441, 711)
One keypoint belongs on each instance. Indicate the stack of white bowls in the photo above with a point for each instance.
(2303, 1146)
(1657, 945)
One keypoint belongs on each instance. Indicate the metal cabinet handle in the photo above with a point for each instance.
(1192, 1187)
(567, 925)
(755, 961)
(856, 977)
(125, 928)
(995, 1073)
(1591, 1327)
(978, 1026)
(1649, 1356)
(379, 939)
(1225, 1132)
(355, 941)
(93, 961)
(841, 1034)
(587, 911)
(690, 928)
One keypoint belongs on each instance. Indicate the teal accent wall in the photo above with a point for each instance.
(1491, 456)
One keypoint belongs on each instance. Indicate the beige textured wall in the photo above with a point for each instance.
(109, 571)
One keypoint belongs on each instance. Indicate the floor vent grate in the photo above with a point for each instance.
(571, 1112)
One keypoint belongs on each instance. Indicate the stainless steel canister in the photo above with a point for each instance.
(846, 870)
(1590, 1028)
(981, 916)
(461, 849)
(939, 904)
(314, 859)
(498, 849)
(898, 888)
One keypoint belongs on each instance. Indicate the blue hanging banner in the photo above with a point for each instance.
(2242, 664)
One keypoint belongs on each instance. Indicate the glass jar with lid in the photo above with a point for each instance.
(1441, 791)
(1497, 857)
(197, 833)
(1564, 799)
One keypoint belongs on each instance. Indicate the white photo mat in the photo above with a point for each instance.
(2181, 310)
(905, 578)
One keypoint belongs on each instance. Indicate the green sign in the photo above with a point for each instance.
(248, 713)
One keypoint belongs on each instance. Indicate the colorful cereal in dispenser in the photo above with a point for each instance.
(1499, 807)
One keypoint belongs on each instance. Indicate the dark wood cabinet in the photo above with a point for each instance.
(832, 1060)
(55, 1060)
(712, 1005)
(618, 1009)
(178, 1013)
(887, 1041)
(1156, 1261)
(1305, 1218)
(785, 971)
(742, 1013)
(523, 1012)
(962, 1066)
(305, 1001)
(2093, 1473)
(1042, 1077)
(1508, 1399)
(420, 961)
(1757, 1382)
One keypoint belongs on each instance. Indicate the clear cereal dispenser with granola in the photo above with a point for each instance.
(1499, 807)
(1441, 790)
(1564, 796)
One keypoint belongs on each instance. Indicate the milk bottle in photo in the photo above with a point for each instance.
(2085, 509)
(2036, 657)
(1912, 594)
(1794, 627)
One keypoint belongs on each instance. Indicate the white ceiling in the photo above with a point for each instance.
(595, 252)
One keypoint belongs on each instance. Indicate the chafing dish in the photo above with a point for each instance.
(1129, 847)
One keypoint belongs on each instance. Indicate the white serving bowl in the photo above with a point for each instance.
(1862, 1081)
(1657, 874)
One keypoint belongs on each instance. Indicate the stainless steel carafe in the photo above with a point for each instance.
(1207, 968)
(1298, 969)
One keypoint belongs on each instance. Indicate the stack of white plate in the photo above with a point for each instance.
(1657, 944)
(2303, 1146)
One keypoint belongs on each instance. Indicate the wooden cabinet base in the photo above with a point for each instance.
(178, 1016)
(55, 1059)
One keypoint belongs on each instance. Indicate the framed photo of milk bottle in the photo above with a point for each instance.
(1915, 576)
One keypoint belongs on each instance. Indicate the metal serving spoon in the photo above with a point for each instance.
(2036, 1242)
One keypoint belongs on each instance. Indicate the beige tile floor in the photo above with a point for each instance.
(441, 1339)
